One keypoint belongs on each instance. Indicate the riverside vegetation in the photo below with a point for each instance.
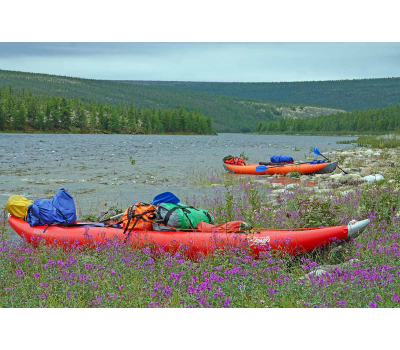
(360, 273)
(381, 120)
(25, 111)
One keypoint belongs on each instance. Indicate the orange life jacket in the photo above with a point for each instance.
(235, 161)
(139, 216)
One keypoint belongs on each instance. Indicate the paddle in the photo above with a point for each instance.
(112, 217)
(318, 153)
(261, 168)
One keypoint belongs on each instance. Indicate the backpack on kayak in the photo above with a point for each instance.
(57, 210)
(234, 160)
(179, 216)
(139, 216)
(18, 206)
(282, 159)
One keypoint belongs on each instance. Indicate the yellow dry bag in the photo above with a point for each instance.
(18, 206)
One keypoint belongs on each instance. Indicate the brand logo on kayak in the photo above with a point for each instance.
(260, 240)
(37, 231)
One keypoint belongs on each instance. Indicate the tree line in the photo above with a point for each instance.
(23, 110)
(228, 114)
(362, 121)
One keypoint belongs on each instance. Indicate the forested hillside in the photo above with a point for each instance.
(342, 94)
(23, 110)
(381, 120)
(228, 114)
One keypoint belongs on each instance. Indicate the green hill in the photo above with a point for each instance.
(228, 114)
(341, 94)
(366, 121)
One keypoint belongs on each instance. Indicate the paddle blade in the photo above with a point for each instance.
(317, 152)
(261, 168)
(165, 197)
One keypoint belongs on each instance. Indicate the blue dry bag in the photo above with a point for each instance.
(281, 159)
(165, 197)
(59, 209)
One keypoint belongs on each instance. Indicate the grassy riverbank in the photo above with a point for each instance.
(381, 141)
(361, 273)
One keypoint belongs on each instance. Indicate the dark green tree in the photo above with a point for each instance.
(2, 118)
(65, 114)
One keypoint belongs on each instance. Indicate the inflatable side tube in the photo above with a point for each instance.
(329, 168)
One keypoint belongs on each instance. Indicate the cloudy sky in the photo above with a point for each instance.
(242, 62)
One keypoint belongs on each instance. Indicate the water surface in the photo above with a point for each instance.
(97, 168)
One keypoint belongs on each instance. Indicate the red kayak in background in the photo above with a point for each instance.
(292, 241)
(279, 169)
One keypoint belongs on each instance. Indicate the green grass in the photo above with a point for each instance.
(359, 273)
(369, 141)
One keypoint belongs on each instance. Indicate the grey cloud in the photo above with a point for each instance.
(205, 61)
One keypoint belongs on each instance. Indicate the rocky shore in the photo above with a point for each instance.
(364, 166)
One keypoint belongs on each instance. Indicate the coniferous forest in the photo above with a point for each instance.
(228, 114)
(347, 95)
(363, 121)
(22, 110)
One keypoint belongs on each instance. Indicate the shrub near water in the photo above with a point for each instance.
(114, 275)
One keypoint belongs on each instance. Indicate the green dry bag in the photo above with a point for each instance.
(179, 216)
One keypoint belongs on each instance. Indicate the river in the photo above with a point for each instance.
(97, 168)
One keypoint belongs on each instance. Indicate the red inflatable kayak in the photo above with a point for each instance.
(291, 241)
(306, 169)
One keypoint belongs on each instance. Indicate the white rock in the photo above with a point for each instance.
(292, 186)
(373, 178)
(377, 154)
(336, 176)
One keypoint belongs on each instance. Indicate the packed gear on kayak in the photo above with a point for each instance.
(179, 216)
(18, 206)
(58, 210)
(282, 159)
(139, 216)
(234, 160)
